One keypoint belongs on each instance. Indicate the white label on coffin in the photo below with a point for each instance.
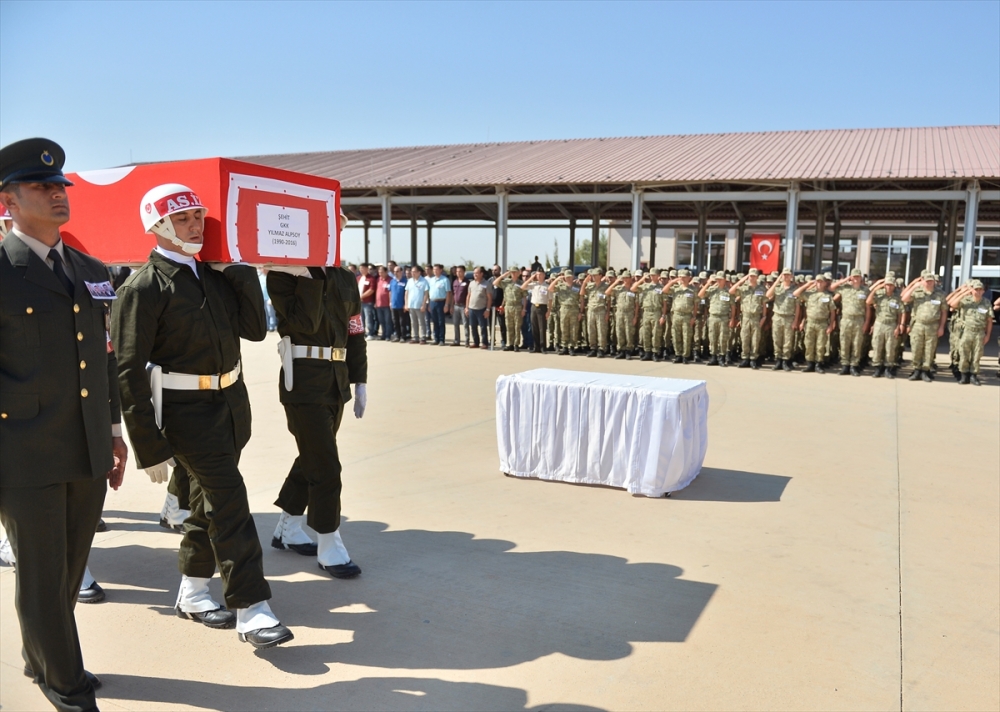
(282, 232)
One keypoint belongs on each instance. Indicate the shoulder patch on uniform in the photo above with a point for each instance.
(355, 326)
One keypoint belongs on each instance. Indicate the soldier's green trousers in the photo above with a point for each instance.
(783, 336)
(718, 335)
(955, 328)
(970, 350)
(597, 328)
(570, 327)
(553, 326)
(667, 340)
(923, 341)
(816, 340)
(852, 340)
(625, 330)
(512, 315)
(884, 344)
(648, 331)
(750, 336)
(314, 480)
(682, 334)
(180, 487)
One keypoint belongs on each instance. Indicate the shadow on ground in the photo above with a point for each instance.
(715, 485)
(443, 600)
(371, 693)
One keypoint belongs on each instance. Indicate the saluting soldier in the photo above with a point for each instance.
(752, 296)
(977, 325)
(185, 321)
(782, 295)
(513, 298)
(592, 290)
(721, 311)
(568, 299)
(323, 351)
(888, 315)
(821, 320)
(648, 291)
(852, 295)
(626, 313)
(60, 429)
(684, 296)
(927, 316)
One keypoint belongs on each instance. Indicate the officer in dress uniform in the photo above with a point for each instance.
(323, 351)
(184, 320)
(60, 430)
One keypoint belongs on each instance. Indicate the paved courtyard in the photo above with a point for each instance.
(839, 551)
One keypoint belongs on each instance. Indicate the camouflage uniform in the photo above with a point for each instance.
(974, 315)
(685, 299)
(651, 306)
(512, 296)
(624, 313)
(568, 298)
(852, 323)
(597, 316)
(720, 310)
(818, 305)
(925, 317)
(554, 323)
(781, 323)
(888, 309)
(752, 299)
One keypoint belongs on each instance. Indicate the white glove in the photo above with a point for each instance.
(158, 474)
(294, 270)
(360, 399)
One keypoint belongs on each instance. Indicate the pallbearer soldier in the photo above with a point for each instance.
(821, 319)
(782, 294)
(852, 295)
(513, 297)
(60, 431)
(597, 312)
(888, 315)
(928, 314)
(977, 325)
(323, 352)
(721, 311)
(185, 321)
(752, 296)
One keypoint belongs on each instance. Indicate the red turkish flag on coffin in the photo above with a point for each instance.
(256, 214)
(765, 251)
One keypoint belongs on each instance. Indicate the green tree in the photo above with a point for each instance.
(553, 261)
(583, 251)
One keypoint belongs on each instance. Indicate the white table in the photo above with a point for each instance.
(646, 435)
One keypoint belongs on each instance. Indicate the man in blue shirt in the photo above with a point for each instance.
(397, 303)
(416, 304)
(439, 292)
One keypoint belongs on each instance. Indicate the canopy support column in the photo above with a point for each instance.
(367, 225)
(502, 206)
(387, 225)
(791, 226)
(572, 243)
(652, 242)
(430, 241)
(969, 233)
(636, 227)
(595, 241)
(819, 237)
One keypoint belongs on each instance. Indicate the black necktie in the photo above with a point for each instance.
(57, 267)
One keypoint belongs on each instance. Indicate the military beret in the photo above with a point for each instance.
(855, 272)
(975, 284)
(684, 273)
(754, 272)
(32, 160)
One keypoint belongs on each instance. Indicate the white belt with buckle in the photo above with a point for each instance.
(191, 382)
(323, 353)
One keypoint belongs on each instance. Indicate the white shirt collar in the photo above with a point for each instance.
(179, 258)
(39, 247)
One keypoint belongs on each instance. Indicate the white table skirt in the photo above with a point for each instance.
(646, 435)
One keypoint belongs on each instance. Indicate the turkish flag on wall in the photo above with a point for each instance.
(764, 251)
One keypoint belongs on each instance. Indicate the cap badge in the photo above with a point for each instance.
(47, 158)
(149, 207)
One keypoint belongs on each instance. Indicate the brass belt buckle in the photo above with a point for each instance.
(204, 383)
(226, 380)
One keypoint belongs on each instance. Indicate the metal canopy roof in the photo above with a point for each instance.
(944, 153)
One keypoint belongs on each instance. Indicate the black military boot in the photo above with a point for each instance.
(787, 365)
(592, 354)
(678, 359)
(819, 367)
(723, 361)
(926, 376)
(646, 356)
(915, 376)
(601, 354)
(966, 378)
(810, 367)
(956, 373)
(755, 364)
(620, 355)
(845, 369)
(890, 372)
(656, 357)
(879, 370)
(855, 371)
(564, 352)
(714, 361)
(974, 379)
(778, 364)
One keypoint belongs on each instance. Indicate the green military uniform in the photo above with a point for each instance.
(187, 324)
(720, 313)
(975, 314)
(512, 297)
(625, 305)
(665, 328)
(568, 299)
(651, 306)
(818, 306)
(59, 417)
(322, 310)
(552, 327)
(684, 301)
(597, 316)
(888, 314)
(782, 321)
(58, 401)
(752, 298)
(925, 318)
(854, 308)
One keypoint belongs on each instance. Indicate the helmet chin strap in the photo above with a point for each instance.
(165, 229)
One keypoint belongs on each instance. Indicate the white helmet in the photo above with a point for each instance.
(163, 201)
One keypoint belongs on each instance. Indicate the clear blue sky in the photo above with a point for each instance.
(149, 81)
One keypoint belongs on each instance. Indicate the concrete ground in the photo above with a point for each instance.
(840, 550)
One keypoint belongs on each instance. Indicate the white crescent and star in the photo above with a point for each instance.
(765, 243)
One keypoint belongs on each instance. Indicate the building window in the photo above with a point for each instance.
(715, 250)
(906, 255)
(686, 242)
(846, 257)
(985, 252)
